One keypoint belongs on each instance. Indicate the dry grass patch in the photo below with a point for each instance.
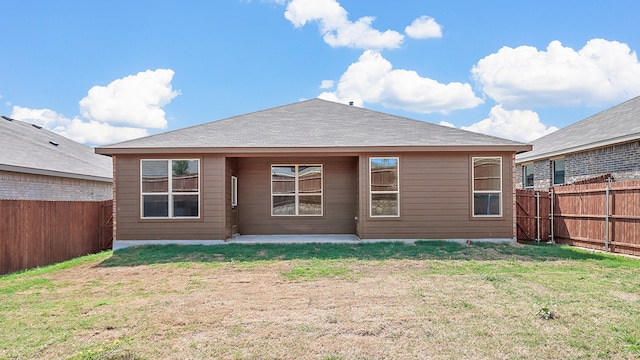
(337, 308)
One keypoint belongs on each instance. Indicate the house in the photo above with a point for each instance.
(314, 167)
(605, 143)
(37, 164)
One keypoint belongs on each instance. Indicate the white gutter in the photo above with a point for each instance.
(579, 148)
(20, 169)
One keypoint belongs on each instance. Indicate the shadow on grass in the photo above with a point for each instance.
(421, 250)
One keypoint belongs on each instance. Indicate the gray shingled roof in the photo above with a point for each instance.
(618, 124)
(312, 123)
(30, 149)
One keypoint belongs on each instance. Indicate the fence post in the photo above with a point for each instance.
(606, 218)
(537, 216)
(553, 240)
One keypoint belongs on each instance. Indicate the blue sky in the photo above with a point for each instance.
(106, 71)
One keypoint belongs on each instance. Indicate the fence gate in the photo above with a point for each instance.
(106, 225)
(532, 215)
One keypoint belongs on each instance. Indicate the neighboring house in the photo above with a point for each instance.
(37, 164)
(605, 143)
(314, 167)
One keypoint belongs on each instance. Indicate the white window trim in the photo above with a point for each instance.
(397, 192)
(296, 193)
(474, 191)
(234, 191)
(553, 171)
(170, 193)
(524, 176)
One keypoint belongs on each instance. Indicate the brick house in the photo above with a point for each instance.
(605, 143)
(37, 164)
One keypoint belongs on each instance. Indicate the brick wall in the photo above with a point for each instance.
(21, 186)
(542, 175)
(622, 161)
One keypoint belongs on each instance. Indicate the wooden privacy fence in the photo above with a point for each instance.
(37, 233)
(601, 216)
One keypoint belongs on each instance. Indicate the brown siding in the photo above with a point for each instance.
(211, 224)
(435, 200)
(340, 198)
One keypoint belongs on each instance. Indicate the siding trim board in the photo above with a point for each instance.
(171, 193)
(397, 191)
(297, 192)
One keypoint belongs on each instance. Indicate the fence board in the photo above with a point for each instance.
(37, 233)
(580, 216)
(581, 220)
(526, 221)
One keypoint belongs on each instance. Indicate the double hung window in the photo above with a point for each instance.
(527, 176)
(296, 190)
(487, 186)
(558, 171)
(170, 188)
(384, 187)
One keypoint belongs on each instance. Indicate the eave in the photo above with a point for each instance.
(45, 172)
(333, 150)
(580, 148)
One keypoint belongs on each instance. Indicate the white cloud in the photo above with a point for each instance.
(46, 118)
(373, 79)
(88, 132)
(600, 73)
(518, 125)
(326, 84)
(120, 111)
(95, 132)
(135, 100)
(337, 29)
(424, 27)
(446, 123)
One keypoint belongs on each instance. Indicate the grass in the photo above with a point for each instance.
(421, 250)
(438, 300)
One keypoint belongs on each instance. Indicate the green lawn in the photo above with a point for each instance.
(437, 300)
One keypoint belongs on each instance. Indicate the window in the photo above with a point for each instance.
(527, 176)
(170, 188)
(296, 190)
(384, 190)
(487, 186)
(234, 191)
(558, 171)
